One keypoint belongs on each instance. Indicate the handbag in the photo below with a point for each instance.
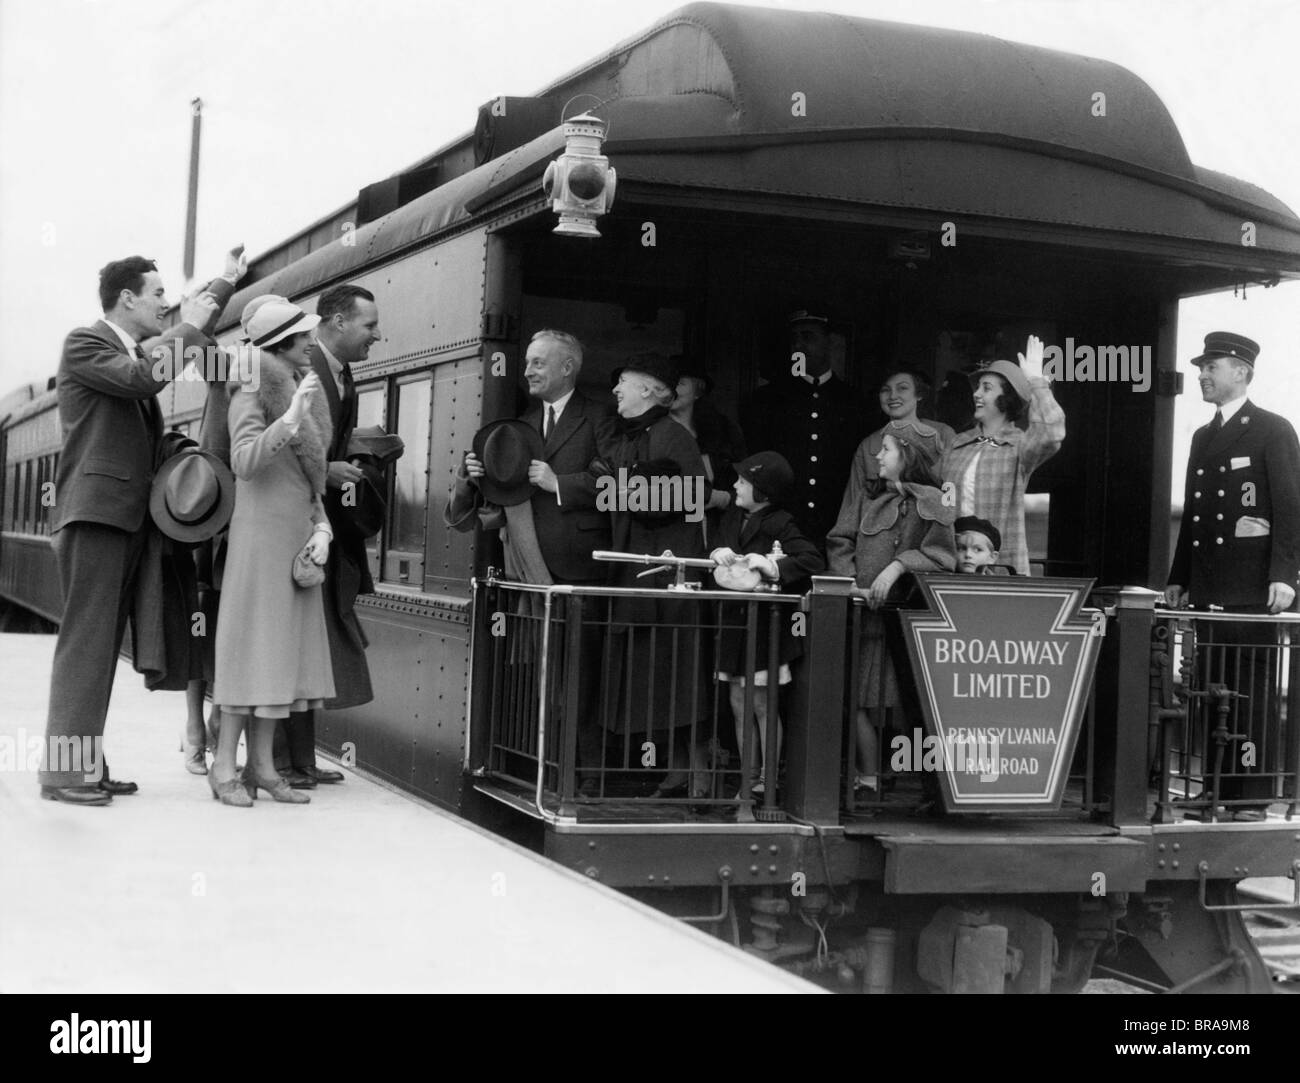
(306, 572)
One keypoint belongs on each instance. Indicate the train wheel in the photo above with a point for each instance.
(1174, 944)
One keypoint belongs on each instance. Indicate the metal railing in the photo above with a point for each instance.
(1224, 727)
(608, 698)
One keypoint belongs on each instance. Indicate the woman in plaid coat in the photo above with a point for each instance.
(989, 465)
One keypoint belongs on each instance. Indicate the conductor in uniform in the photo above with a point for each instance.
(1239, 542)
(812, 418)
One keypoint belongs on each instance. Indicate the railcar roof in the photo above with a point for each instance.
(897, 118)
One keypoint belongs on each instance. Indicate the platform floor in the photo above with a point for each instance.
(363, 890)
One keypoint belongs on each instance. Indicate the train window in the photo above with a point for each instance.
(404, 561)
(29, 498)
(372, 409)
(372, 403)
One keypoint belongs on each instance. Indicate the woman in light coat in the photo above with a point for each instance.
(272, 653)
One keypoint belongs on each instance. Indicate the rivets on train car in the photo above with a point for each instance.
(1175, 864)
(651, 878)
(1160, 864)
(591, 846)
(753, 870)
(772, 869)
(1236, 870)
(1177, 846)
(772, 849)
(753, 847)
(1161, 847)
(592, 872)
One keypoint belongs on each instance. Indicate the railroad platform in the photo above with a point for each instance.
(363, 890)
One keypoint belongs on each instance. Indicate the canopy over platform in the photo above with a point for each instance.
(882, 123)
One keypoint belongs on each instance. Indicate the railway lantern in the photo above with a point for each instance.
(580, 182)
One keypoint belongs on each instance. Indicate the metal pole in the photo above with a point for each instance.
(192, 210)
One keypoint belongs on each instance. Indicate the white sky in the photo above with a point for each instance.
(306, 101)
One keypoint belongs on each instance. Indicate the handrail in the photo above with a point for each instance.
(641, 592)
(1219, 615)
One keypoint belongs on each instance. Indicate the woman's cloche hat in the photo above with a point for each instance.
(277, 320)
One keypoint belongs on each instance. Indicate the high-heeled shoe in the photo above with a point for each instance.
(196, 759)
(230, 792)
(278, 788)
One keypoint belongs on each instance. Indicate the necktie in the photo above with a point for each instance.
(1217, 423)
(349, 404)
(550, 422)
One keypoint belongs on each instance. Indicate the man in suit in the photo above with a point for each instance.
(1239, 542)
(568, 525)
(814, 420)
(349, 326)
(108, 378)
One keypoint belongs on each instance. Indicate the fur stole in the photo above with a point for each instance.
(276, 385)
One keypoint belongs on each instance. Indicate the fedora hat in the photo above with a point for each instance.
(277, 320)
(506, 448)
(193, 496)
(1009, 371)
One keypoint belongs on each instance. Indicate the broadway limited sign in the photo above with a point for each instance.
(1003, 669)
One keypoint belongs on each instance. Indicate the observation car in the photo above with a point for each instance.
(941, 194)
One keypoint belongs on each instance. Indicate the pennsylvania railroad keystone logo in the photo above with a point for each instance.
(1003, 669)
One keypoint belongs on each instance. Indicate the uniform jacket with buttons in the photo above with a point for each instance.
(817, 427)
(1241, 511)
(882, 525)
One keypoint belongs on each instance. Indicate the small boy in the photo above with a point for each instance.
(978, 542)
(745, 536)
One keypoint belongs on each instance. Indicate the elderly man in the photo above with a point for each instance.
(1239, 542)
(812, 418)
(108, 380)
(566, 522)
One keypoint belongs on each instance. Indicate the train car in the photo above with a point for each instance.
(944, 195)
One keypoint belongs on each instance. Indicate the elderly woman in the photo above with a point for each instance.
(272, 653)
(659, 683)
(989, 465)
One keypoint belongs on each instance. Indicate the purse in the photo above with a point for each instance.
(306, 572)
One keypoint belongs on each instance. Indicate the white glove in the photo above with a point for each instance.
(302, 399)
(723, 556)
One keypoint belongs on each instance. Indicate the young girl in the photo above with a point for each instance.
(746, 534)
(897, 523)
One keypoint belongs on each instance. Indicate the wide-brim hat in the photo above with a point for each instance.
(1009, 371)
(769, 473)
(506, 448)
(1227, 344)
(277, 320)
(193, 496)
(807, 315)
(364, 508)
(250, 309)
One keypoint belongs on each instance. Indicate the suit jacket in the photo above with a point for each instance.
(1241, 511)
(568, 529)
(112, 423)
(348, 544)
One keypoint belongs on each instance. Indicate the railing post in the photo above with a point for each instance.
(1123, 700)
(815, 734)
(484, 705)
(568, 716)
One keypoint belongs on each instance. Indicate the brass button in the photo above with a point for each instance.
(1196, 496)
(1220, 492)
(1195, 544)
(1199, 473)
(1218, 541)
(1197, 518)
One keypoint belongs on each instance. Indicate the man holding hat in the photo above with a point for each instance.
(535, 473)
(108, 380)
(814, 420)
(1239, 541)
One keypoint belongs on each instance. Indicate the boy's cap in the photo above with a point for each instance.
(980, 526)
(769, 473)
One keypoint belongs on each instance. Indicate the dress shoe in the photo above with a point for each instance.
(1250, 815)
(116, 787)
(320, 775)
(296, 779)
(196, 760)
(279, 788)
(76, 795)
(231, 792)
